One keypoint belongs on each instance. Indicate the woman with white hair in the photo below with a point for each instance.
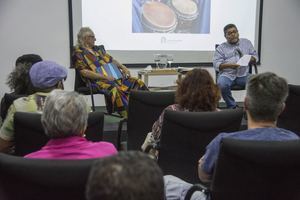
(64, 120)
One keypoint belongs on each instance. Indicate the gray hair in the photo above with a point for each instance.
(266, 94)
(65, 114)
(83, 32)
(126, 176)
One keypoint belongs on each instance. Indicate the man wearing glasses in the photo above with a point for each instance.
(225, 63)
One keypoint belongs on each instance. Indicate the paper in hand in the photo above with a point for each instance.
(244, 60)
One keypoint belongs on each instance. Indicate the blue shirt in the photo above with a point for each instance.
(263, 134)
(231, 53)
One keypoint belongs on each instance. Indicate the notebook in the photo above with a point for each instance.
(112, 70)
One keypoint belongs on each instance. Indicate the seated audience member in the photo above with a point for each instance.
(94, 63)
(264, 101)
(225, 61)
(196, 92)
(18, 80)
(44, 76)
(126, 176)
(64, 119)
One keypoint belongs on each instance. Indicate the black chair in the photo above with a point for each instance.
(185, 135)
(35, 179)
(143, 110)
(257, 170)
(289, 119)
(87, 88)
(30, 135)
(6, 101)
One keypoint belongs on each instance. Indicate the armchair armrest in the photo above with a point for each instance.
(152, 151)
(120, 133)
(255, 68)
(197, 187)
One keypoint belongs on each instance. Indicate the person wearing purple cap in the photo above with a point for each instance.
(45, 76)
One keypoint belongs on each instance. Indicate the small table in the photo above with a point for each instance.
(158, 72)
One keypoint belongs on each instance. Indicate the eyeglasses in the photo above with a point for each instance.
(231, 32)
(91, 36)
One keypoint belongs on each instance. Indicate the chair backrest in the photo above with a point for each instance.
(80, 86)
(6, 101)
(289, 118)
(257, 170)
(88, 89)
(30, 135)
(185, 135)
(35, 179)
(143, 110)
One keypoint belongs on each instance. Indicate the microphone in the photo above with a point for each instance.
(239, 52)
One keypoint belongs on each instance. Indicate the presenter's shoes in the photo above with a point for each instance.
(235, 107)
(123, 114)
(245, 116)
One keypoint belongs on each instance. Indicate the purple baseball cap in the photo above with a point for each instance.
(46, 74)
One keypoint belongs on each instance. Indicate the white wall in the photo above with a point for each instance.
(41, 26)
(33, 26)
(280, 39)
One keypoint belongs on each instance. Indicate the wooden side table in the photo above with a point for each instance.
(158, 72)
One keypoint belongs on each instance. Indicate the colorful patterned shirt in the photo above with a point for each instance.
(94, 61)
(156, 128)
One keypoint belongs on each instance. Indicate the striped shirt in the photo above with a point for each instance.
(231, 53)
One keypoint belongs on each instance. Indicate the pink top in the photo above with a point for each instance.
(74, 147)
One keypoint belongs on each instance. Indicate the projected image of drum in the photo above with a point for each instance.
(187, 13)
(158, 17)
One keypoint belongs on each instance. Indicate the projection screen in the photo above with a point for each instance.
(134, 31)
